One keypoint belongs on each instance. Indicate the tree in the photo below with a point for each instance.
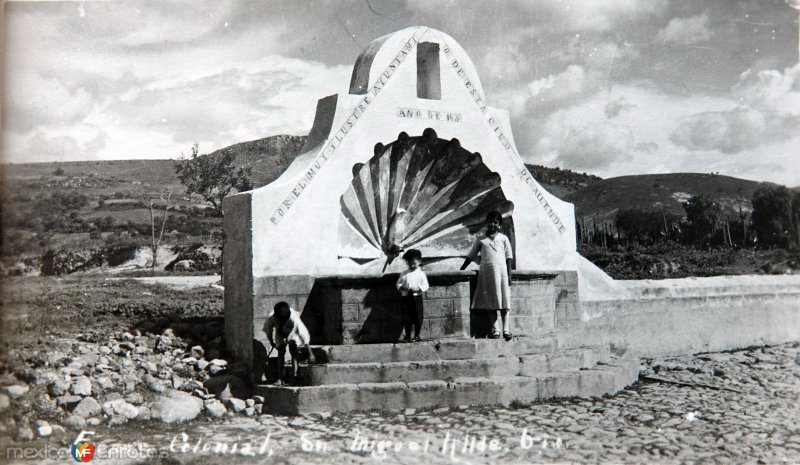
(776, 211)
(150, 203)
(645, 226)
(702, 220)
(212, 177)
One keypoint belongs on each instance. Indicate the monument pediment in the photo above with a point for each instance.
(331, 211)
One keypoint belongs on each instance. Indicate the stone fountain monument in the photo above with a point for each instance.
(411, 156)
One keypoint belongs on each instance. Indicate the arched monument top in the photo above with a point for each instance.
(378, 56)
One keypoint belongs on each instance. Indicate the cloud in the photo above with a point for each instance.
(775, 94)
(727, 131)
(559, 87)
(32, 100)
(157, 119)
(82, 140)
(273, 96)
(614, 107)
(584, 143)
(685, 31)
(647, 147)
(768, 111)
(606, 15)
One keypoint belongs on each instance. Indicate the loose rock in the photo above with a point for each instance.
(176, 406)
(215, 408)
(237, 405)
(25, 433)
(216, 366)
(16, 390)
(87, 407)
(120, 407)
(81, 387)
(43, 429)
(75, 422)
(68, 401)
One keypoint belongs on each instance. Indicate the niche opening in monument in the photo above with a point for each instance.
(429, 84)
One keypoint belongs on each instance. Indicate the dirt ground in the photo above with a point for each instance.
(737, 407)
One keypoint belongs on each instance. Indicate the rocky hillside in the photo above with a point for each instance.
(267, 157)
(601, 199)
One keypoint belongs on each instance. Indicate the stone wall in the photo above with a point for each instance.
(366, 309)
(676, 317)
(237, 268)
(532, 303)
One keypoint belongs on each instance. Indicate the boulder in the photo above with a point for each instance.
(43, 429)
(215, 408)
(144, 413)
(57, 388)
(76, 422)
(120, 407)
(117, 420)
(237, 405)
(176, 406)
(103, 383)
(68, 401)
(16, 390)
(135, 398)
(197, 352)
(153, 383)
(183, 265)
(217, 365)
(82, 386)
(5, 402)
(25, 433)
(177, 382)
(87, 407)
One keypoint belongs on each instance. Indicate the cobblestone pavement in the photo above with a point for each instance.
(738, 407)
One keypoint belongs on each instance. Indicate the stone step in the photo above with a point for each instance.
(434, 350)
(412, 371)
(603, 379)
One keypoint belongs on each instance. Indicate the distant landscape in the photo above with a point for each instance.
(89, 216)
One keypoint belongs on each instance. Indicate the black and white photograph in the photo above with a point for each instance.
(412, 231)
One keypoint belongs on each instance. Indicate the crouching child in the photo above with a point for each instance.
(285, 328)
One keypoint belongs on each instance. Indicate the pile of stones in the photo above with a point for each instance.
(128, 376)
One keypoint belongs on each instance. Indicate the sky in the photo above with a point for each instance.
(611, 87)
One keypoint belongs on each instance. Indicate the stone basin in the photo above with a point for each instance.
(366, 308)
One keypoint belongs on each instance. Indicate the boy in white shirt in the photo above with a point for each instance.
(411, 284)
(290, 331)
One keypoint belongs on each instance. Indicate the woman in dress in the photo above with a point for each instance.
(493, 292)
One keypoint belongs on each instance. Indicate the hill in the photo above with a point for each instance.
(82, 209)
(95, 204)
(561, 182)
(268, 157)
(602, 199)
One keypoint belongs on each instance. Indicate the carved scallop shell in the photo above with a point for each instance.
(418, 192)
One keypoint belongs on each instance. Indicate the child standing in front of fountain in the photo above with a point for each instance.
(411, 284)
(493, 291)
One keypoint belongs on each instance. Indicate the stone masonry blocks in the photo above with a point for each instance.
(348, 310)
